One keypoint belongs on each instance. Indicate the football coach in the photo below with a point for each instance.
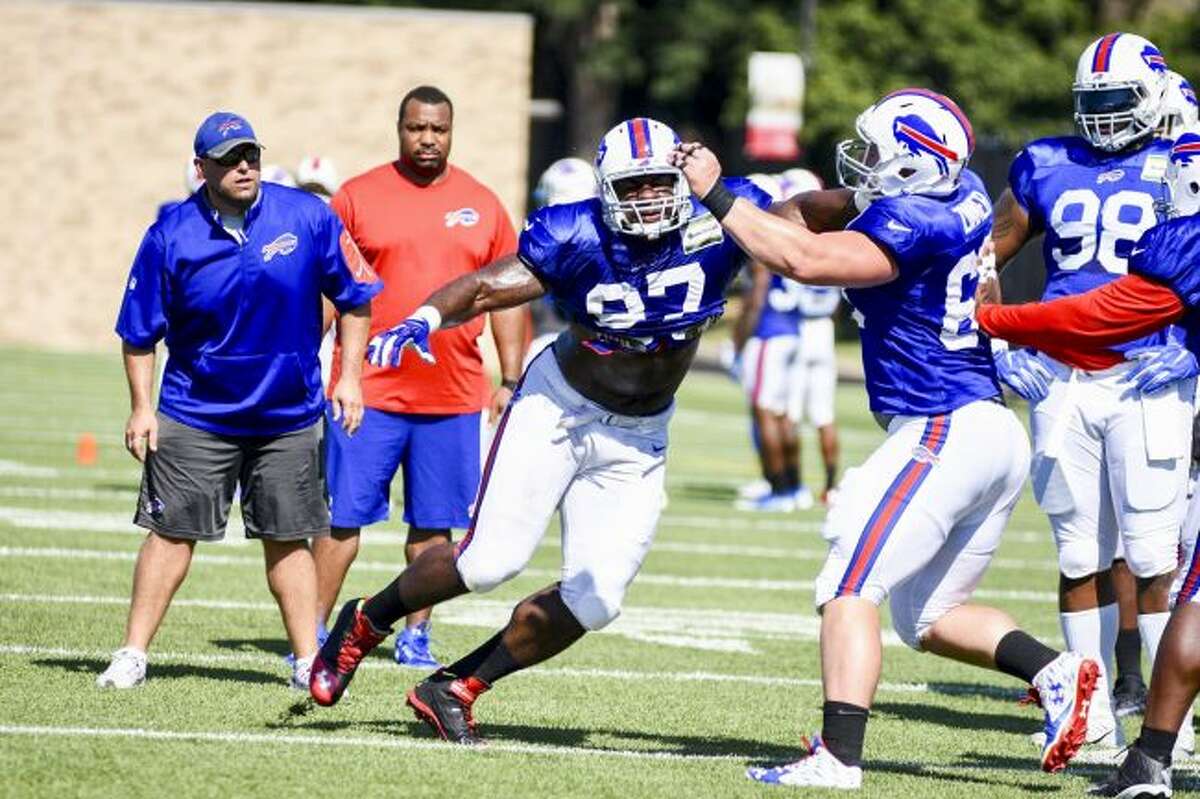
(232, 279)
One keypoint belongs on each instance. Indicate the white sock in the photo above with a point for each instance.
(1151, 626)
(1093, 634)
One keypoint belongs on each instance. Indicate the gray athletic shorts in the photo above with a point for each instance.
(189, 483)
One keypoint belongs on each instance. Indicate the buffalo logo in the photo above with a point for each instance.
(1189, 94)
(919, 137)
(1111, 176)
(284, 244)
(1154, 59)
(601, 152)
(228, 126)
(355, 262)
(154, 507)
(1187, 148)
(467, 217)
(922, 454)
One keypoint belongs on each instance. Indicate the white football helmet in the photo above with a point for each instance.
(634, 148)
(797, 181)
(192, 179)
(913, 141)
(1120, 91)
(567, 180)
(318, 175)
(1182, 111)
(274, 173)
(1181, 184)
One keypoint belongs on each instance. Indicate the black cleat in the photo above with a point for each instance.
(351, 638)
(1129, 696)
(444, 701)
(1139, 777)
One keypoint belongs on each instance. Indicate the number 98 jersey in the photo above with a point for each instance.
(634, 292)
(1092, 205)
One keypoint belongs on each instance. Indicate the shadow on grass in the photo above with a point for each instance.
(705, 492)
(953, 773)
(973, 689)
(271, 646)
(958, 719)
(163, 671)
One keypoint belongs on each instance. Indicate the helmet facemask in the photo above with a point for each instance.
(649, 218)
(1114, 115)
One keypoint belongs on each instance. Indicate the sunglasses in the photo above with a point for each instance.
(250, 154)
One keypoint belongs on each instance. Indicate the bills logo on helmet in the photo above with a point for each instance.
(1154, 59)
(1186, 149)
(1189, 94)
(601, 151)
(919, 136)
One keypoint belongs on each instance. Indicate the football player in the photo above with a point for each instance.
(1163, 286)
(923, 517)
(640, 272)
(766, 338)
(1093, 474)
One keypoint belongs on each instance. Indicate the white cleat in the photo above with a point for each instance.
(803, 498)
(816, 769)
(771, 503)
(754, 490)
(301, 672)
(1064, 690)
(127, 670)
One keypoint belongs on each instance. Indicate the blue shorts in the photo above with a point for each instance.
(438, 453)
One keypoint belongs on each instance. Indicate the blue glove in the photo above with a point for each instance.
(386, 348)
(1024, 373)
(1159, 366)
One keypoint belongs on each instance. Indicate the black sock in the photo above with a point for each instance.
(468, 663)
(386, 608)
(843, 730)
(791, 476)
(1157, 744)
(1022, 655)
(778, 483)
(830, 476)
(1129, 653)
(499, 663)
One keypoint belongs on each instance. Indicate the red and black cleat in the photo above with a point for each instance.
(351, 638)
(444, 703)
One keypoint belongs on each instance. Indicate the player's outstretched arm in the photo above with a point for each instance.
(1010, 228)
(1128, 308)
(504, 283)
(842, 258)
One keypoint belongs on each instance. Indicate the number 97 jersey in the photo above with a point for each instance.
(1092, 205)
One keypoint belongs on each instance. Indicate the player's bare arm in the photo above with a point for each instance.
(839, 258)
(141, 431)
(819, 211)
(752, 304)
(354, 326)
(508, 331)
(505, 283)
(1010, 228)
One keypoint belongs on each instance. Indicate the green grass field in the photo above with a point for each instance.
(712, 666)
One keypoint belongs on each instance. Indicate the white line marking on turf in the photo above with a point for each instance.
(275, 663)
(288, 739)
(677, 581)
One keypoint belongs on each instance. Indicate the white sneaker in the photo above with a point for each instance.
(1064, 689)
(127, 670)
(754, 490)
(301, 671)
(818, 768)
(803, 498)
(771, 503)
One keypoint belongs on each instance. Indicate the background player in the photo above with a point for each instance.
(421, 222)
(924, 517)
(1093, 196)
(640, 276)
(1161, 288)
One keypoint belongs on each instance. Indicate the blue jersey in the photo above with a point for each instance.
(242, 318)
(1170, 254)
(780, 314)
(922, 352)
(634, 293)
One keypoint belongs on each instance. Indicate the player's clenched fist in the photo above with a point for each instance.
(699, 165)
(386, 348)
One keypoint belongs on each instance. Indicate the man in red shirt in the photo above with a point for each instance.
(420, 222)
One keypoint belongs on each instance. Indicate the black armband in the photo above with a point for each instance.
(718, 200)
(511, 385)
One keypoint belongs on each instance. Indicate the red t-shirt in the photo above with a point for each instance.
(418, 238)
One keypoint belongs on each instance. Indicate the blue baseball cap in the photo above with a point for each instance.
(221, 132)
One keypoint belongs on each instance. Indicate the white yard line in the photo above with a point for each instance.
(276, 663)
(394, 567)
(325, 741)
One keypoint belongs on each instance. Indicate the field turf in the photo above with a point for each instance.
(713, 665)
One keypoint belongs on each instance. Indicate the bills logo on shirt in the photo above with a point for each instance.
(1111, 176)
(284, 244)
(467, 217)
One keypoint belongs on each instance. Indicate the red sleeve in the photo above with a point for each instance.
(1085, 325)
(341, 205)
